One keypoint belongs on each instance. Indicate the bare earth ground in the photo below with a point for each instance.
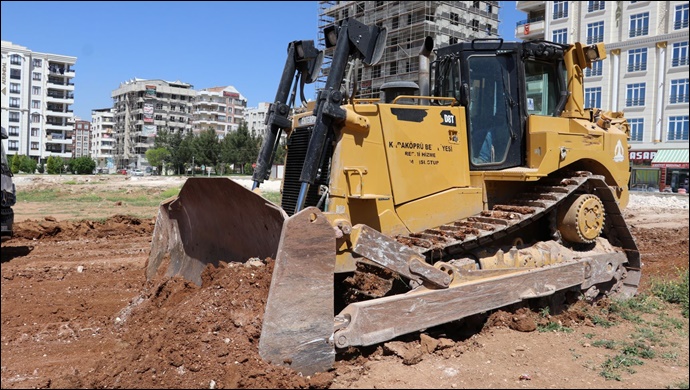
(77, 312)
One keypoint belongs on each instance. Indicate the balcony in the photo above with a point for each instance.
(530, 29)
(530, 5)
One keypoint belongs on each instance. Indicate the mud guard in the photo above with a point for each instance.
(212, 220)
(297, 328)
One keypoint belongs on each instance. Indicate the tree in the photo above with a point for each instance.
(157, 156)
(83, 165)
(185, 152)
(240, 147)
(54, 165)
(206, 148)
(14, 164)
(27, 164)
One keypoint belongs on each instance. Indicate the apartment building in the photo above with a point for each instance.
(219, 108)
(37, 95)
(103, 139)
(81, 141)
(256, 118)
(142, 108)
(645, 74)
(408, 23)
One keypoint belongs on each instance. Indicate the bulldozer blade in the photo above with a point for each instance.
(298, 323)
(212, 220)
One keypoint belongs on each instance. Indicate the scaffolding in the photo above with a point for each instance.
(408, 23)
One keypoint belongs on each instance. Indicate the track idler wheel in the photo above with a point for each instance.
(582, 220)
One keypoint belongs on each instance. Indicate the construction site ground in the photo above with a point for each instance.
(78, 312)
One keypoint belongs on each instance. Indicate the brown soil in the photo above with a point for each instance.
(77, 312)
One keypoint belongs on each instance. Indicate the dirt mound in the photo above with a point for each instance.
(50, 227)
(176, 334)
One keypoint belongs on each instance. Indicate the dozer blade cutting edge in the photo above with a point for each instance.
(212, 220)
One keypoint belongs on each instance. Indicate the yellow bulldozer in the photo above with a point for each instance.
(487, 184)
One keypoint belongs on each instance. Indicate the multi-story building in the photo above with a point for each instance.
(103, 139)
(81, 141)
(645, 74)
(142, 107)
(37, 95)
(256, 118)
(219, 108)
(408, 23)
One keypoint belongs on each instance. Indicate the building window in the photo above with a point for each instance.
(488, 29)
(593, 97)
(596, 69)
(636, 129)
(639, 25)
(489, 8)
(13, 131)
(560, 9)
(14, 88)
(637, 60)
(681, 18)
(36, 76)
(396, 22)
(35, 104)
(16, 74)
(475, 25)
(454, 19)
(12, 145)
(35, 118)
(376, 71)
(595, 6)
(560, 36)
(35, 132)
(595, 32)
(678, 128)
(15, 59)
(38, 62)
(14, 102)
(679, 91)
(452, 40)
(475, 4)
(680, 54)
(34, 146)
(35, 90)
(635, 95)
(394, 68)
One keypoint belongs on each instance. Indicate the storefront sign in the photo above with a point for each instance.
(641, 156)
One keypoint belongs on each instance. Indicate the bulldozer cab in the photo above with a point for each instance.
(500, 84)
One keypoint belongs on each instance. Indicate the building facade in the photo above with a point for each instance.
(37, 98)
(142, 108)
(256, 118)
(408, 23)
(81, 141)
(219, 108)
(645, 74)
(103, 139)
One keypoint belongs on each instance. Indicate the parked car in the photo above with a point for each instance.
(138, 172)
(122, 171)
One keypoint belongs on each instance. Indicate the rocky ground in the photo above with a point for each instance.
(77, 312)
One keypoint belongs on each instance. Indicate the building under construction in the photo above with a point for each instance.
(408, 24)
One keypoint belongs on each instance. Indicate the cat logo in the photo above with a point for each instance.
(618, 156)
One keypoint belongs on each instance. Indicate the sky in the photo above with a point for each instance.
(203, 43)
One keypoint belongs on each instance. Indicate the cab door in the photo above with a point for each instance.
(495, 131)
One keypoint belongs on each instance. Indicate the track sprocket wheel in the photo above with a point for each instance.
(583, 220)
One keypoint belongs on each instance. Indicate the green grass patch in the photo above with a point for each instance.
(554, 327)
(673, 291)
(273, 196)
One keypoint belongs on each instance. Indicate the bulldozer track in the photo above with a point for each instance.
(483, 229)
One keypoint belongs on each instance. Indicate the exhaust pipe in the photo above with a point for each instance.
(425, 69)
